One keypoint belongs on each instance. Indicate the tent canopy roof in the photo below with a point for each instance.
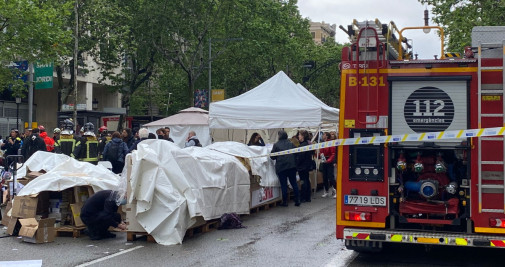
(276, 103)
(189, 116)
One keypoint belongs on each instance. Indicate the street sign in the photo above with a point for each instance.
(217, 95)
(43, 76)
(22, 69)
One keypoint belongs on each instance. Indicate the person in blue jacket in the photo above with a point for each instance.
(115, 151)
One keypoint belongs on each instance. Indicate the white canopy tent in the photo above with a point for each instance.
(276, 103)
(190, 119)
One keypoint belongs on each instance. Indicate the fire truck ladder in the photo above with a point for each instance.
(484, 183)
(385, 34)
(371, 109)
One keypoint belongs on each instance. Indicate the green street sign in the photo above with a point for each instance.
(43, 75)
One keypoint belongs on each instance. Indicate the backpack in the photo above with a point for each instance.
(113, 152)
(197, 142)
(230, 221)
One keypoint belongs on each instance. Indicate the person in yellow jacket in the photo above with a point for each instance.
(67, 141)
(11, 145)
(86, 148)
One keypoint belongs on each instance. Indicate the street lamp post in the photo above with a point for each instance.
(168, 102)
(18, 101)
(210, 61)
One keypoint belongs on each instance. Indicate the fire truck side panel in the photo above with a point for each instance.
(491, 153)
(439, 191)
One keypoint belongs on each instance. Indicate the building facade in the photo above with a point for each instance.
(321, 31)
(94, 102)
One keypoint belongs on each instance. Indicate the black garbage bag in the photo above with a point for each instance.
(230, 221)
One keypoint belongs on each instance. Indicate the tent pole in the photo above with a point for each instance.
(245, 139)
(317, 161)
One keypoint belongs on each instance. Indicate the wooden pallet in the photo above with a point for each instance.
(73, 231)
(134, 236)
(204, 228)
(265, 206)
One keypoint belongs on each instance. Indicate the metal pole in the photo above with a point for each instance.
(317, 162)
(30, 97)
(17, 115)
(150, 100)
(210, 69)
(76, 48)
(168, 102)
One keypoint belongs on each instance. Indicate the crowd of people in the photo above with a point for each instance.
(25, 144)
(100, 211)
(287, 166)
(83, 146)
(114, 146)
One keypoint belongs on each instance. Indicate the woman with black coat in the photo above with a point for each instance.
(285, 167)
(303, 166)
(128, 137)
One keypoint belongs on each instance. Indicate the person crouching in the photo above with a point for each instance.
(100, 212)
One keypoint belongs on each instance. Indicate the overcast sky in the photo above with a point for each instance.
(405, 13)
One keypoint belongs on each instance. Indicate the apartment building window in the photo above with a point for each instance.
(313, 35)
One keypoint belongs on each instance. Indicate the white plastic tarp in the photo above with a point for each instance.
(190, 119)
(261, 166)
(71, 173)
(243, 136)
(171, 186)
(41, 160)
(276, 103)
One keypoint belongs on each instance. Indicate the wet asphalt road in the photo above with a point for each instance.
(292, 236)
(280, 236)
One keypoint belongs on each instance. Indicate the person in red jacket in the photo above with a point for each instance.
(48, 140)
(328, 159)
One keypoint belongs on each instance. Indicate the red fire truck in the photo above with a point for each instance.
(442, 192)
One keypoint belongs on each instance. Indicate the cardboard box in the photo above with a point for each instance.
(24, 207)
(33, 175)
(43, 203)
(5, 218)
(254, 182)
(13, 227)
(315, 182)
(76, 213)
(82, 193)
(23, 180)
(37, 232)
